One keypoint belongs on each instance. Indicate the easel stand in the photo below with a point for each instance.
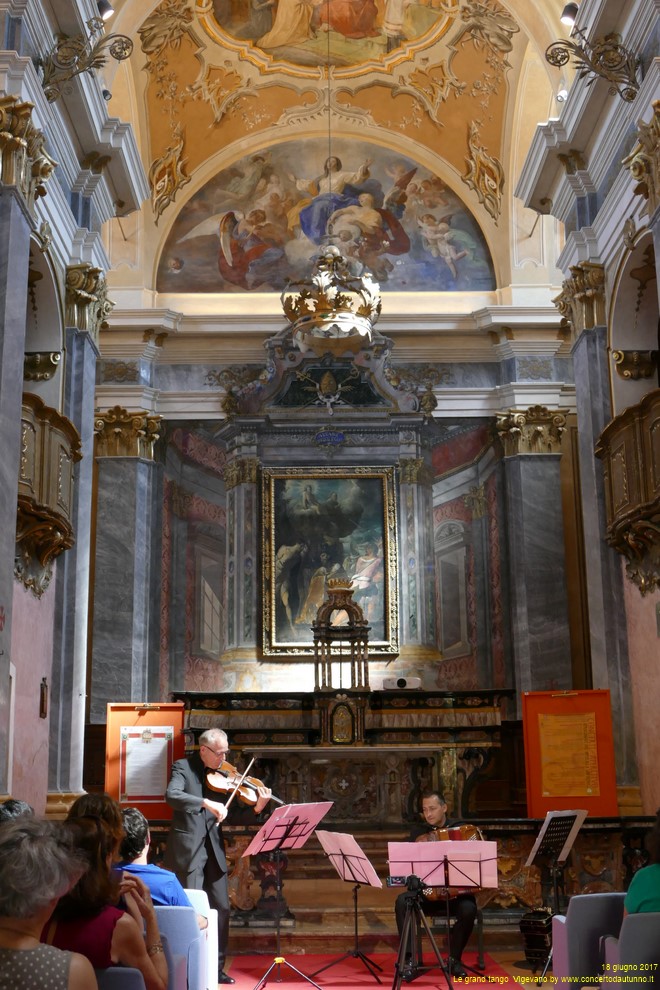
(408, 963)
(353, 866)
(466, 865)
(554, 843)
(288, 827)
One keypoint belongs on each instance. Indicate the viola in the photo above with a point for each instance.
(228, 779)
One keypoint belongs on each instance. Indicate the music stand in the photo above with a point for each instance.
(289, 827)
(437, 864)
(353, 866)
(555, 840)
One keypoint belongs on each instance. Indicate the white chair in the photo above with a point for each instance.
(635, 953)
(179, 926)
(576, 954)
(200, 901)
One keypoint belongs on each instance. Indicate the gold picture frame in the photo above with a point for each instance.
(320, 523)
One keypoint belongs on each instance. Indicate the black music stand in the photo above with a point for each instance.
(554, 842)
(352, 865)
(289, 827)
(435, 864)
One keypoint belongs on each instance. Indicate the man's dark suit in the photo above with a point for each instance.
(195, 846)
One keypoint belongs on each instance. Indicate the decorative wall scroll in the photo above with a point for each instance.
(324, 523)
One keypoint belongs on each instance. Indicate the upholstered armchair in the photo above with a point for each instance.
(635, 953)
(576, 953)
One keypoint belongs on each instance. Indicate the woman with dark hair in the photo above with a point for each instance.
(87, 919)
(100, 806)
(37, 866)
(644, 890)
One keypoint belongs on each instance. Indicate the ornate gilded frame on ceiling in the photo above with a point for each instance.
(325, 522)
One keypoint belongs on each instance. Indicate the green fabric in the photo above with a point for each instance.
(644, 891)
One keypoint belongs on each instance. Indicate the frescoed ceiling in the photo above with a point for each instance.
(425, 91)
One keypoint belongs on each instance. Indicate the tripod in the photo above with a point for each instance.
(408, 960)
(356, 952)
(288, 827)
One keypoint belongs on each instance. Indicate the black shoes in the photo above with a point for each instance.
(225, 977)
(458, 969)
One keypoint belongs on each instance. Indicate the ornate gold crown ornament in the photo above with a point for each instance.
(334, 310)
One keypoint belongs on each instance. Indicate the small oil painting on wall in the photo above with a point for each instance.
(261, 222)
(320, 524)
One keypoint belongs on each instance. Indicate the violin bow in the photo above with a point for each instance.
(236, 786)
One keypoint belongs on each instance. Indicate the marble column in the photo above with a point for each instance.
(417, 561)
(243, 554)
(537, 570)
(582, 303)
(25, 168)
(476, 501)
(126, 561)
(69, 671)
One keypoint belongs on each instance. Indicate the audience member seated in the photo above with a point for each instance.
(644, 891)
(100, 806)
(13, 808)
(37, 867)
(133, 852)
(87, 919)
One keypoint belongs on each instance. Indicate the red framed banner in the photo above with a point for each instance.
(142, 742)
(569, 752)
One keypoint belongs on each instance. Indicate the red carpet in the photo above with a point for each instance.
(352, 973)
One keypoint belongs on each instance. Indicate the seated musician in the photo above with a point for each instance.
(463, 907)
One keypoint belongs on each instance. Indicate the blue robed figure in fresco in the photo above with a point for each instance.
(333, 190)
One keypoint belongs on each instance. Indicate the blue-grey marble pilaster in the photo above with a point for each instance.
(243, 614)
(14, 260)
(483, 591)
(607, 619)
(416, 566)
(126, 580)
(537, 573)
(69, 671)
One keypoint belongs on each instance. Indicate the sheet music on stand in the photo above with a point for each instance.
(289, 827)
(557, 835)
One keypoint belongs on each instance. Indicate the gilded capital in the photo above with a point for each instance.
(241, 471)
(643, 162)
(582, 299)
(536, 430)
(412, 470)
(23, 162)
(120, 433)
(475, 501)
(87, 306)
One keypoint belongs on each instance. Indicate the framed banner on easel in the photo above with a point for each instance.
(569, 752)
(142, 742)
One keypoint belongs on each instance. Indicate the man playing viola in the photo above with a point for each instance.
(462, 907)
(195, 846)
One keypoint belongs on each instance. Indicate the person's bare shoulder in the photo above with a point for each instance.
(81, 973)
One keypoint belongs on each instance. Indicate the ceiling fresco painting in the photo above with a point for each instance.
(372, 113)
(260, 223)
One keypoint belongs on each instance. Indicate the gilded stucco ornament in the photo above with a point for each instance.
(86, 302)
(484, 175)
(120, 433)
(24, 164)
(582, 299)
(643, 162)
(537, 430)
(167, 174)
